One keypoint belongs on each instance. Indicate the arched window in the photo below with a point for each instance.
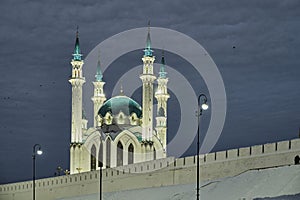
(130, 154)
(108, 146)
(119, 154)
(297, 160)
(100, 156)
(154, 154)
(93, 158)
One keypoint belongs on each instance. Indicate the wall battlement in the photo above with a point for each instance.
(161, 172)
(252, 151)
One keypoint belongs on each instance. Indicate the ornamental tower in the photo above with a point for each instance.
(99, 95)
(76, 80)
(147, 78)
(162, 97)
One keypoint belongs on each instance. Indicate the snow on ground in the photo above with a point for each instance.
(285, 197)
(278, 183)
(256, 183)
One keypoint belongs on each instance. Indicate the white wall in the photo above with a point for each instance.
(157, 173)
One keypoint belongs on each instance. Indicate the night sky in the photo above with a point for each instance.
(255, 45)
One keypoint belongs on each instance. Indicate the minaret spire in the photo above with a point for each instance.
(148, 51)
(99, 75)
(162, 71)
(99, 95)
(77, 55)
(148, 37)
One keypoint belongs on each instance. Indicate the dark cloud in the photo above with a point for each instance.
(37, 38)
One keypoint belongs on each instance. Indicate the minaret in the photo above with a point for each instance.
(147, 78)
(76, 80)
(99, 95)
(162, 97)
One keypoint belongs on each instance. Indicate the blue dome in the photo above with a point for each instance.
(120, 103)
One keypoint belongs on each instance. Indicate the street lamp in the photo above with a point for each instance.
(34, 153)
(202, 105)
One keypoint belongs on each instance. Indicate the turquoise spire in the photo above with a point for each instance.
(148, 51)
(77, 55)
(99, 74)
(162, 71)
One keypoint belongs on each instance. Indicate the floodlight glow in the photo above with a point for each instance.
(204, 106)
(39, 152)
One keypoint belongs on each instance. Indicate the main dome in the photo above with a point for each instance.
(120, 103)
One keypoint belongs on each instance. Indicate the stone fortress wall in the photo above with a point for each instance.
(158, 173)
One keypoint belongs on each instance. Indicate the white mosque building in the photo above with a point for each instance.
(123, 132)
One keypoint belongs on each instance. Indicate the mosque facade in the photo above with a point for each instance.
(123, 131)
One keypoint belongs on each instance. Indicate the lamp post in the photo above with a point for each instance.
(34, 153)
(100, 161)
(100, 176)
(202, 105)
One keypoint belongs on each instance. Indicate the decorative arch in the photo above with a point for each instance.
(108, 118)
(130, 154)
(121, 118)
(134, 119)
(93, 158)
(92, 139)
(121, 137)
(127, 137)
(119, 154)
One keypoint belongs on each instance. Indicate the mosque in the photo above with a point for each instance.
(123, 132)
